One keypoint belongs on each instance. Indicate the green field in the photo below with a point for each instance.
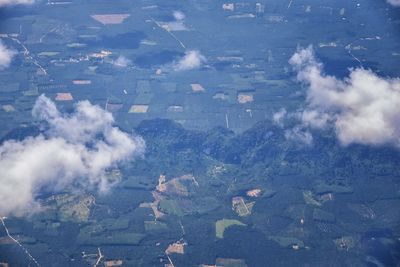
(222, 225)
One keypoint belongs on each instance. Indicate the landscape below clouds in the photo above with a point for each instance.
(361, 108)
(74, 149)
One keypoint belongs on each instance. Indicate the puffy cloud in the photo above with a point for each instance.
(178, 24)
(313, 118)
(364, 107)
(179, 15)
(394, 2)
(75, 150)
(279, 116)
(299, 133)
(15, 2)
(191, 60)
(122, 62)
(6, 56)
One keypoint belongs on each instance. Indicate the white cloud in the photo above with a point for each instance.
(179, 15)
(363, 108)
(313, 118)
(15, 2)
(191, 60)
(122, 62)
(279, 116)
(178, 24)
(76, 149)
(394, 2)
(299, 133)
(6, 56)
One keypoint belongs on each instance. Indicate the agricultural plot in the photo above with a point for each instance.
(222, 225)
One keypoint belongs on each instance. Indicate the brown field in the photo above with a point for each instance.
(177, 247)
(176, 185)
(64, 97)
(106, 19)
(139, 109)
(112, 263)
(81, 82)
(196, 87)
(245, 98)
(254, 192)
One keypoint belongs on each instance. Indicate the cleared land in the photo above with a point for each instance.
(106, 19)
(222, 225)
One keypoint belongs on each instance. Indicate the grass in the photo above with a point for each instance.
(155, 226)
(222, 225)
(170, 207)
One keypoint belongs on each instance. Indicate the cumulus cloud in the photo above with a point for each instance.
(363, 108)
(179, 15)
(313, 118)
(178, 24)
(279, 116)
(15, 2)
(394, 2)
(122, 62)
(75, 150)
(6, 56)
(299, 133)
(191, 60)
